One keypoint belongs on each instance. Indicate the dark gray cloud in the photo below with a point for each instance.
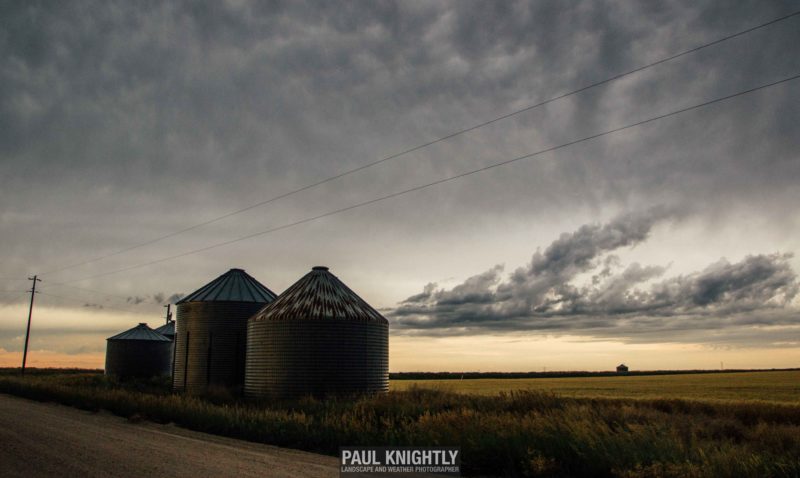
(122, 121)
(577, 286)
(157, 298)
(136, 300)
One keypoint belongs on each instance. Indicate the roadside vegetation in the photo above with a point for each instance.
(516, 433)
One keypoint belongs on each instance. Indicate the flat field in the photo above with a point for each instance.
(697, 426)
(776, 387)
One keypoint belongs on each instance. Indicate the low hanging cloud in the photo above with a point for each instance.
(135, 300)
(157, 298)
(576, 285)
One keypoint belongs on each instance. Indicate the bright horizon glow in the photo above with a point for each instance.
(79, 344)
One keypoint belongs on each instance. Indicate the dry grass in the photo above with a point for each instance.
(778, 387)
(522, 433)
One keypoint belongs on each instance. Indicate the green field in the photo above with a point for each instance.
(779, 387)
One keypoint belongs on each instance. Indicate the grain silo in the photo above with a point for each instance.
(138, 352)
(210, 332)
(317, 338)
(168, 331)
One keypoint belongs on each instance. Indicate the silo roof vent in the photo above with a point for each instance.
(140, 332)
(236, 285)
(319, 295)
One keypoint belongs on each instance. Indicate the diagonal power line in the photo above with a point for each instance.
(427, 144)
(445, 180)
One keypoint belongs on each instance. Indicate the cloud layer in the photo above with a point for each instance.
(124, 121)
(577, 285)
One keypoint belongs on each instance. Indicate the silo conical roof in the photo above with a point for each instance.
(319, 295)
(236, 285)
(140, 332)
(167, 329)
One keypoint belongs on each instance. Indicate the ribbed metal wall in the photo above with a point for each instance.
(294, 357)
(210, 341)
(138, 358)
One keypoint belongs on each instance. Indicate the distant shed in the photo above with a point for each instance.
(139, 352)
(622, 368)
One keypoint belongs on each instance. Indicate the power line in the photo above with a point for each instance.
(445, 180)
(429, 143)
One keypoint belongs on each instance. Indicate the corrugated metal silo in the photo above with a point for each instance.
(317, 338)
(168, 331)
(211, 331)
(138, 352)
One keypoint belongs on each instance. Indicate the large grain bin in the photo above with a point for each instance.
(317, 338)
(210, 333)
(138, 352)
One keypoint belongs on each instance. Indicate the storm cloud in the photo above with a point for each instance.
(576, 285)
(121, 122)
(170, 114)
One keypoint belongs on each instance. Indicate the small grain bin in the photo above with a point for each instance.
(139, 352)
(210, 332)
(167, 330)
(317, 338)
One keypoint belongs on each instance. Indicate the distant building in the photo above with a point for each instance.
(622, 368)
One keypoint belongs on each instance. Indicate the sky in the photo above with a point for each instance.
(668, 245)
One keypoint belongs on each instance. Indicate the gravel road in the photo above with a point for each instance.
(44, 439)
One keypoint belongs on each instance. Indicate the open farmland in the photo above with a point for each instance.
(501, 433)
(778, 386)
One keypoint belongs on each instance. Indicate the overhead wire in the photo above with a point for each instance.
(429, 143)
(446, 179)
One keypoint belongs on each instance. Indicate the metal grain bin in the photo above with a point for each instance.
(138, 352)
(168, 331)
(317, 338)
(210, 332)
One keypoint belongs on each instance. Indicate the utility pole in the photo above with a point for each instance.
(169, 314)
(30, 313)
